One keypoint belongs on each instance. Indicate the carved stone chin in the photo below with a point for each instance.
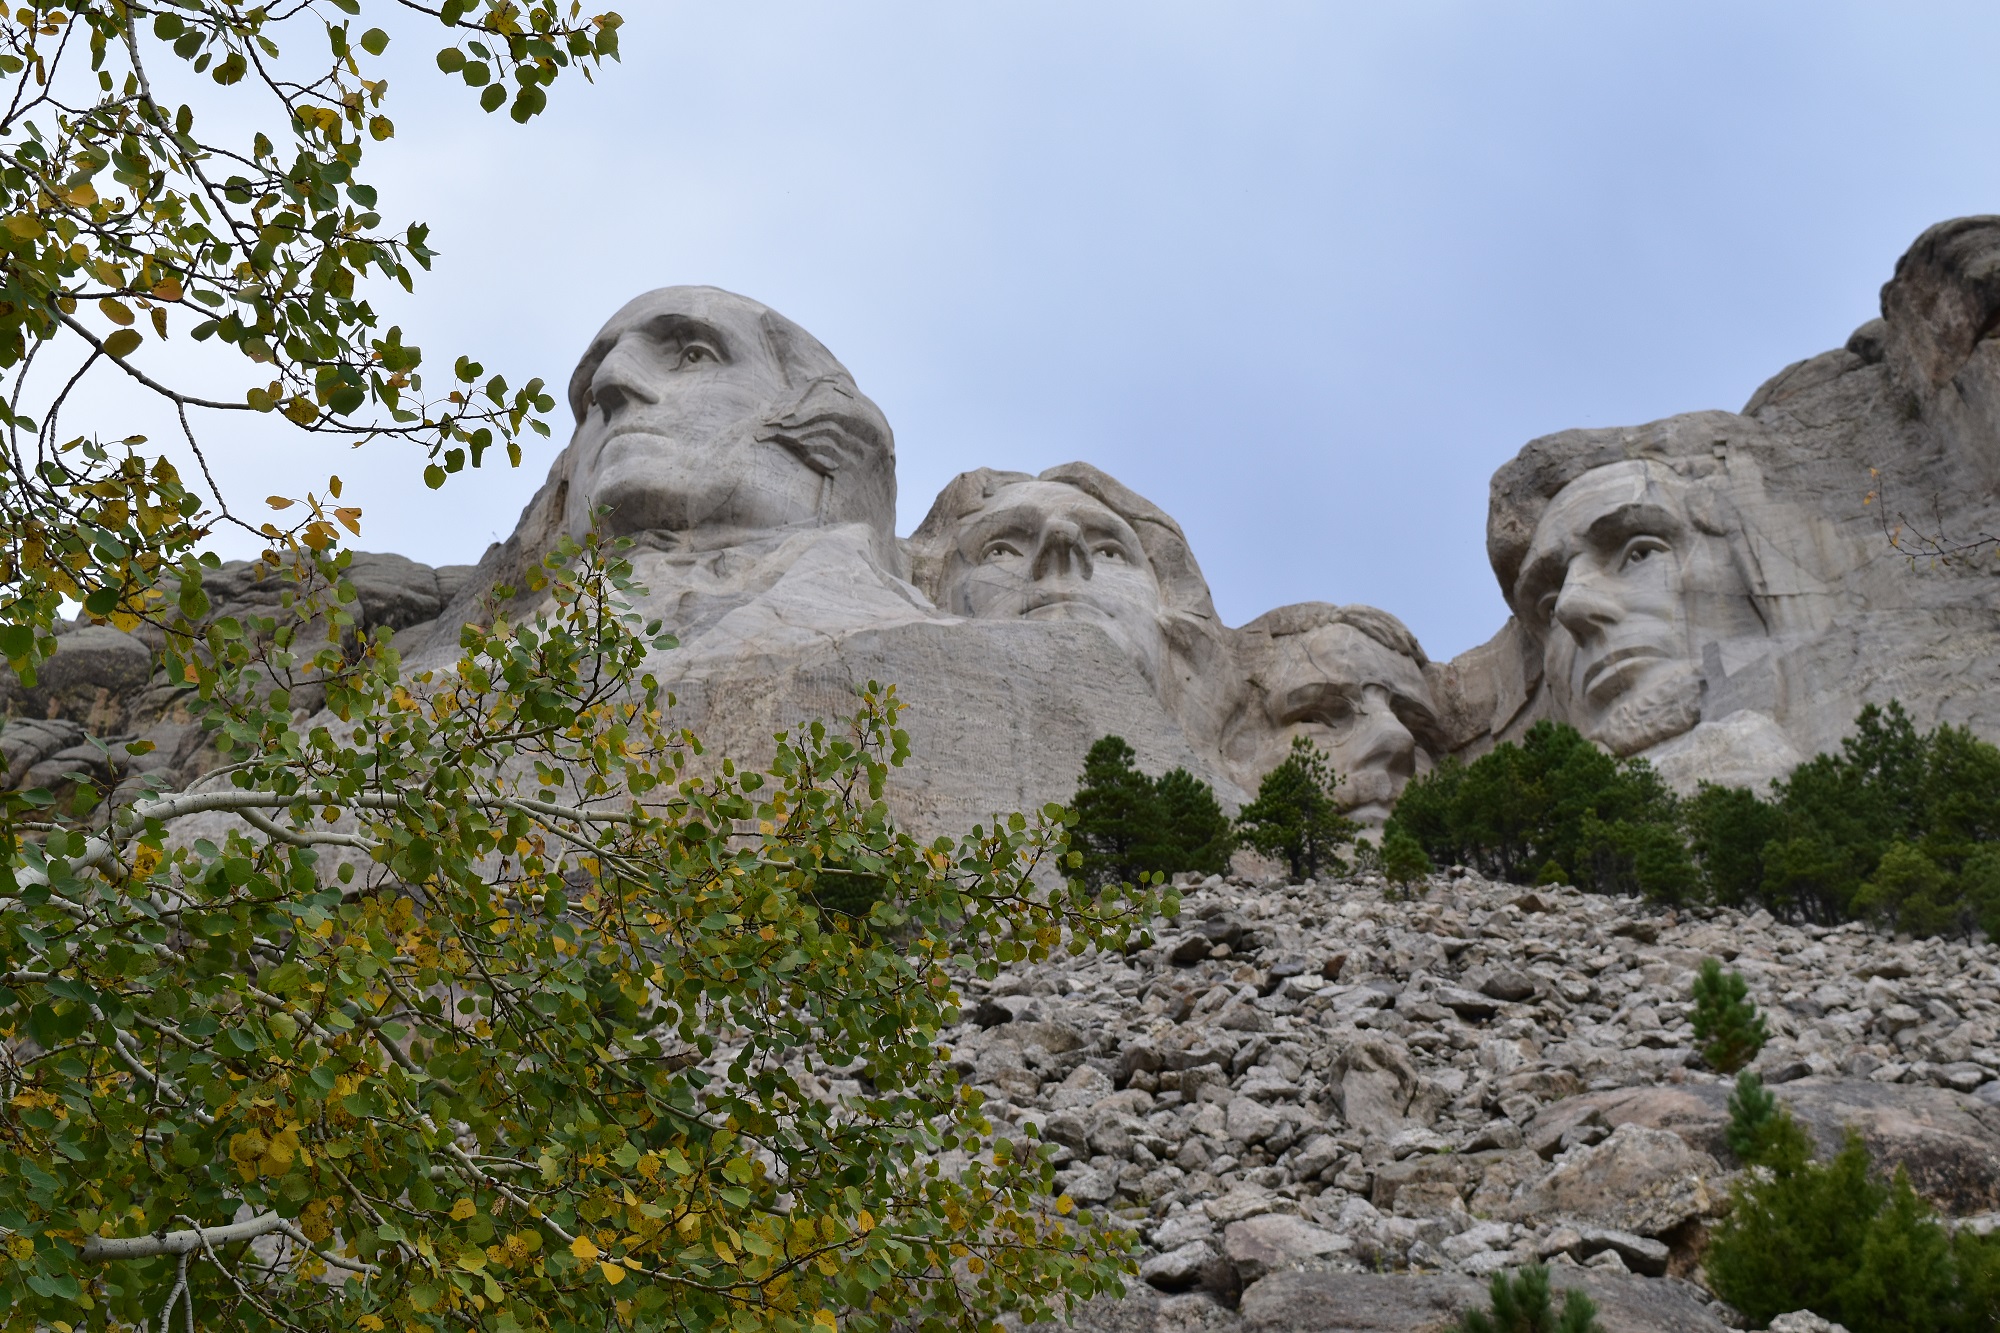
(1662, 706)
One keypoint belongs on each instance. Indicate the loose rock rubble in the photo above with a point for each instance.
(1313, 1082)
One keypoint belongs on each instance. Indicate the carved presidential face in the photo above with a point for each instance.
(1623, 588)
(675, 402)
(1355, 699)
(1042, 550)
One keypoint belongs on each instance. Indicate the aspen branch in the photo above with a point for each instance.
(99, 1249)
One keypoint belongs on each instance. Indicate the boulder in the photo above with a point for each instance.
(1378, 1088)
(1948, 1141)
(1804, 1321)
(1180, 1268)
(1645, 1181)
(1274, 1242)
(1311, 1302)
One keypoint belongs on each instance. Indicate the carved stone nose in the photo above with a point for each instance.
(1582, 608)
(621, 380)
(1062, 551)
(1385, 742)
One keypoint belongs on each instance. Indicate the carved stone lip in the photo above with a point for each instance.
(1058, 601)
(614, 433)
(1609, 674)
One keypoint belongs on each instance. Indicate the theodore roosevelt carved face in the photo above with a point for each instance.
(1348, 678)
(1623, 587)
(710, 417)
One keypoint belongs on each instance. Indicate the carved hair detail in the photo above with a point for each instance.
(829, 425)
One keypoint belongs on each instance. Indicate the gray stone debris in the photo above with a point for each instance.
(1269, 1117)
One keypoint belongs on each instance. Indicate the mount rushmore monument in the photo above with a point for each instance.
(1719, 592)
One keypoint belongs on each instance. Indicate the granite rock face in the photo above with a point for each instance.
(1722, 592)
(1719, 592)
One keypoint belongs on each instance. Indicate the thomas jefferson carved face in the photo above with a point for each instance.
(1355, 698)
(1045, 550)
(704, 414)
(1624, 587)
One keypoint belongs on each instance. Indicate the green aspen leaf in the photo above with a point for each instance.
(374, 41)
(451, 60)
(434, 476)
(123, 342)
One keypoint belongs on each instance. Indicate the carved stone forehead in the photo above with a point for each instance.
(1690, 445)
(1600, 495)
(1036, 502)
(749, 331)
(732, 314)
(1342, 655)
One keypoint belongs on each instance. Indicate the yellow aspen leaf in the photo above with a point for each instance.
(612, 1273)
(825, 1319)
(463, 1209)
(584, 1248)
(279, 502)
(1065, 1205)
(123, 342)
(115, 310)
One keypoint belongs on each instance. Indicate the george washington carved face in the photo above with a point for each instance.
(1622, 586)
(706, 415)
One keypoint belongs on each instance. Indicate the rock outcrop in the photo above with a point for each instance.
(1722, 592)
(1719, 592)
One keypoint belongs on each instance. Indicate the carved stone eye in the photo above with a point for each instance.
(1642, 549)
(1109, 551)
(695, 354)
(998, 551)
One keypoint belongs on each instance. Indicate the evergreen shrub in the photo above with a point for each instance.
(1522, 1304)
(1727, 1026)
(1553, 809)
(1126, 825)
(1295, 816)
(1403, 861)
(1899, 827)
(1833, 1239)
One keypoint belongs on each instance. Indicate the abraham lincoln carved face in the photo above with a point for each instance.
(1623, 585)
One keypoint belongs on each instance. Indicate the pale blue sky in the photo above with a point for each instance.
(1304, 275)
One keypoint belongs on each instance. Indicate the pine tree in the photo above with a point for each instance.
(1294, 816)
(1404, 863)
(1192, 831)
(1760, 1131)
(1522, 1304)
(1117, 827)
(1726, 1023)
